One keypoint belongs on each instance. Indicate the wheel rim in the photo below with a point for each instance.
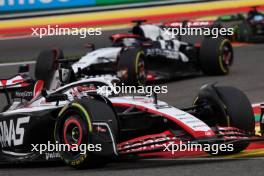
(141, 71)
(72, 132)
(227, 55)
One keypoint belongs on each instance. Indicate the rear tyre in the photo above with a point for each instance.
(216, 56)
(74, 127)
(131, 67)
(46, 65)
(237, 113)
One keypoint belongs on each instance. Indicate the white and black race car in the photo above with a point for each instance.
(76, 115)
(150, 53)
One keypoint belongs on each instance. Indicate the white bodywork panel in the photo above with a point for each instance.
(93, 57)
(156, 33)
(175, 114)
(39, 103)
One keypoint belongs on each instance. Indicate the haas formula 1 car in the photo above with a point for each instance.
(77, 116)
(149, 53)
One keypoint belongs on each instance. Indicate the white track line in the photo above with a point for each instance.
(17, 63)
(15, 37)
(28, 36)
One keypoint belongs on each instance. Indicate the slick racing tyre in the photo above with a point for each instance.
(131, 67)
(74, 127)
(46, 65)
(231, 108)
(216, 56)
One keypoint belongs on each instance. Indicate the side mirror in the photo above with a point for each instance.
(64, 75)
(23, 69)
(56, 98)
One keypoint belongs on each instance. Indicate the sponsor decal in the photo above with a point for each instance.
(52, 155)
(12, 132)
(23, 94)
(170, 54)
(196, 147)
(50, 148)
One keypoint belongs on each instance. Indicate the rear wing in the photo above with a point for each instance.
(20, 86)
(15, 82)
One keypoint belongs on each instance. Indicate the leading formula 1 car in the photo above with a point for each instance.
(76, 114)
(243, 27)
(149, 53)
(259, 111)
(247, 28)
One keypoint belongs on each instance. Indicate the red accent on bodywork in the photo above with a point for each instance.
(151, 77)
(3, 82)
(116, 37)
(14, 83)
(257, 109)
(257, 145)
(23, 84)
(17, 81)
(38, 87)
(196, 134)
(197, 45)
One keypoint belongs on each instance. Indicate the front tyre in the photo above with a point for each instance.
(74, 130)
(231, 109)
(216, 56)
(131, 67)
(47, 64)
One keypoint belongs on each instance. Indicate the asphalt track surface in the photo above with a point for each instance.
(247, 74)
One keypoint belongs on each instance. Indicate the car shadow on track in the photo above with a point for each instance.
(125, 164)
(31, 165)
(145, 164)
